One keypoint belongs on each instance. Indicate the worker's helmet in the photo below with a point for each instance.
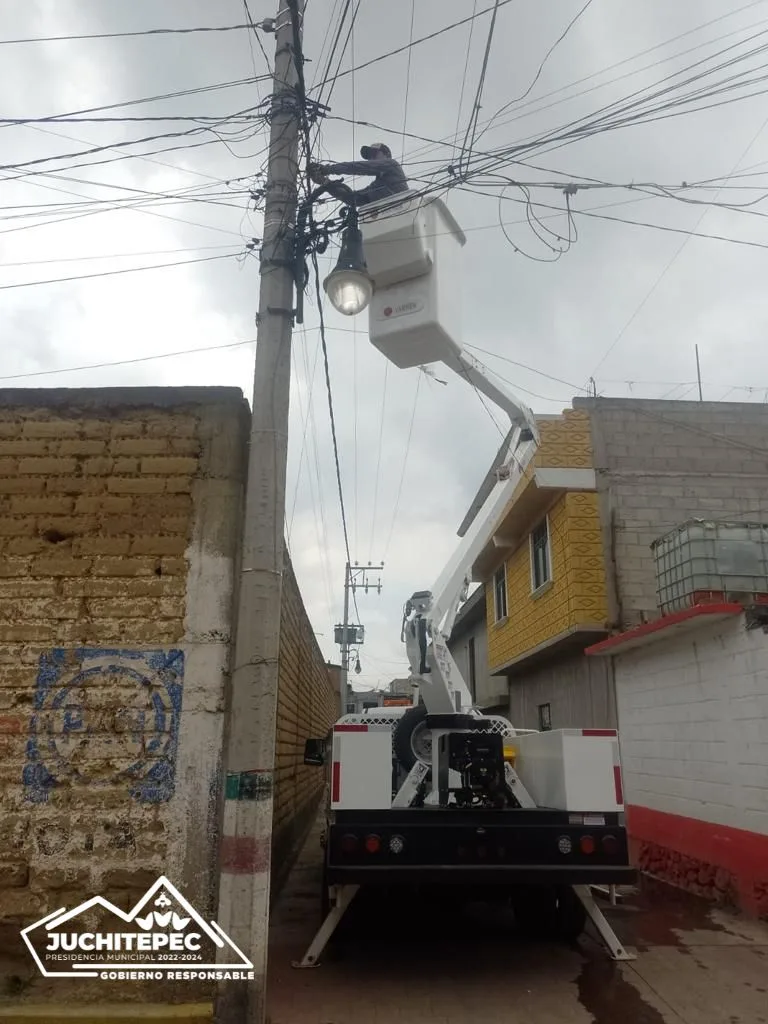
(366, 152)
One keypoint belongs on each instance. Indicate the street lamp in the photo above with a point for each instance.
(349, 287)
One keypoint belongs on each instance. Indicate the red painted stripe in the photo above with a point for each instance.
(350, 728)
(617, 784)
(599, 732)
(739, 852)
(648, 628)
(336, 781)
(244, 855)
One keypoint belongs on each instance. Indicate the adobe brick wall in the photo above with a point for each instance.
(115, 505)
(120, 517)
(308, 705)
(659, 463)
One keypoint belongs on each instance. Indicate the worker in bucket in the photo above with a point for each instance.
(388, 176)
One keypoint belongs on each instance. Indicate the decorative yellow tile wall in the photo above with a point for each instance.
(577, 594)
(565, 442)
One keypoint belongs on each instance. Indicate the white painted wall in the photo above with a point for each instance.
(693, 724)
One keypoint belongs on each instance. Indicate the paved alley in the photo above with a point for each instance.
(418, 965)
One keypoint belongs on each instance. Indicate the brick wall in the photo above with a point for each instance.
(115, 505)
(693, 724)
(660, 463)
(308, 705)
(120, 516)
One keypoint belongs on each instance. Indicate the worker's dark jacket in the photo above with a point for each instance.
(389, 177)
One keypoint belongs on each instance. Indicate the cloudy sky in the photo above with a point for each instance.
(625, 304)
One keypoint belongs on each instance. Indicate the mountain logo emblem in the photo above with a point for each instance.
(163, 937)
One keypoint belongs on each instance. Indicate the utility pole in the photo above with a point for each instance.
(698, 374)
(246, 837)
(345, 645)
(355, 577)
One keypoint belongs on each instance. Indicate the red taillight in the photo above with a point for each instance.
(587, 844)
(372, 844)
(349, 844)
(610, 844)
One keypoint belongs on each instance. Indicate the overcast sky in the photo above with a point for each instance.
(619, 287)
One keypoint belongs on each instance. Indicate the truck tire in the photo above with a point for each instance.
(411, 738)
(549, 912)
(570, 917)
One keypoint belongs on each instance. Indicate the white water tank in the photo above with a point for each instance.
(412, 250)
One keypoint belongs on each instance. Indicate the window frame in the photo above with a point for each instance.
(536, 587)
(545, 717)
(472, 667)
(503, 617)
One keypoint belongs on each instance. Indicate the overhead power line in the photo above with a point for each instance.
(111, 256)
(452, 140)
(416, 42)
(199, 118)
(540, 68)
(112, 273)
(126, 35)
(469, 135)
(253, 27)
(92, 150)
(127, 362)
(160, 97)
(635, 223)
(332, 417)
(675, 256)
(107, 205)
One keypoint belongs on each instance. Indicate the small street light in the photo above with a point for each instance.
(349, 287)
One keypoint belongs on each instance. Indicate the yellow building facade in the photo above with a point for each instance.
(544, 571)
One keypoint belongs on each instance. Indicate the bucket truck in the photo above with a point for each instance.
(441, 793)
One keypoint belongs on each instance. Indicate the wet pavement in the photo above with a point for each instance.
(416, 964)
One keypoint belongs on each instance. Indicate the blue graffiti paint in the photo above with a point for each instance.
(103, 716)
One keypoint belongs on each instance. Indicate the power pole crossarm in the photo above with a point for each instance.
(245, 851)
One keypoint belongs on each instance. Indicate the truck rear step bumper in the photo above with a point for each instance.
(496, 847)
(481, 875)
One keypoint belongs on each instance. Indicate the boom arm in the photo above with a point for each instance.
(429, 615)
(472, 370)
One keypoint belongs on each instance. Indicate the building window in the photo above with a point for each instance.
(500, 593)
(541, 561)
(472, 668)
(545, 717)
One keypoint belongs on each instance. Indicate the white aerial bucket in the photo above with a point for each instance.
(412, 249)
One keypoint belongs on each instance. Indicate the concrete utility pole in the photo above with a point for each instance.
(355, 577)
(345, 645)
(245, 851)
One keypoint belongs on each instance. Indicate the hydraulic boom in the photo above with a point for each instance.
(429, 614)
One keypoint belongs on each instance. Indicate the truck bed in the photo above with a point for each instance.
(446, 846)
